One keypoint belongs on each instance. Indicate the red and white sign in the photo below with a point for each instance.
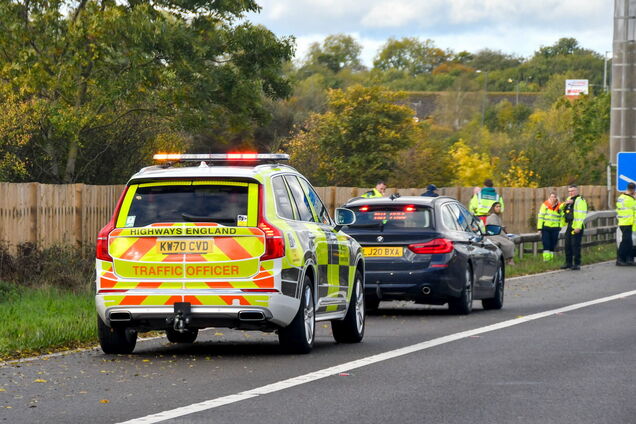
(574, 88)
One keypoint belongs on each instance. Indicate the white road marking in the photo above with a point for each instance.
(348, 366)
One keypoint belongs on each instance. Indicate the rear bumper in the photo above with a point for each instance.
(229, 309)
(431, 286)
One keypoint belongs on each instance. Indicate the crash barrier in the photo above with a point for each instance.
(600, 228)
(49, 214)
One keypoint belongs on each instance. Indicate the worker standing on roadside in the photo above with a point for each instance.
(626, 211)
(378, 191)
(431, 191)
(481, 202)
(549, 223)
(574, 212)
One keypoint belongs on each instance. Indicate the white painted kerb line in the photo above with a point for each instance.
(348, 366)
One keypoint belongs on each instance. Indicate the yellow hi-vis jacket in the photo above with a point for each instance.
(481, 202)
(550, 216)
(372, 193)
(626, 209)
(576, 213)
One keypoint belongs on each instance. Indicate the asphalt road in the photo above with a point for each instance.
(572, 366)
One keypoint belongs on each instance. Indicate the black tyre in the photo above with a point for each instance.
(497, 301)
(176, 337)
(351, 328)
(116, 340)
(298, 336)
(463, 305)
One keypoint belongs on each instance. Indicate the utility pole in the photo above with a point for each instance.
(605, 72)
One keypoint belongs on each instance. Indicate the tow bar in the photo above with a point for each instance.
(181, 318)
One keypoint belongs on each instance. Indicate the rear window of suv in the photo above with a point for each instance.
(392, 217)
(225, 203)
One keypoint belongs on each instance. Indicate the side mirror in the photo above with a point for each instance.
(344, 217)
(493, 230)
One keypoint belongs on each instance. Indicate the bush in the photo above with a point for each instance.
(64, 267)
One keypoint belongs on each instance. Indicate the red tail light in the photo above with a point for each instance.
(364, 209)
(439, 245)
(409, 208)
(101, 251)
(274, 240)
(102, 242)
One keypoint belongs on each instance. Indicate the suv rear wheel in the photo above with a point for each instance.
(116, 340)
(298, 336)
(351, 328)
(174, 336)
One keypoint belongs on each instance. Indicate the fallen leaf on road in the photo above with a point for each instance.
(104, 401)
(40, 380)
(2, 390)
(218, 334)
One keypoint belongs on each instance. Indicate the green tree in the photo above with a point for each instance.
(356, 141)
(410, 55)
(337, 52)
(93, 66)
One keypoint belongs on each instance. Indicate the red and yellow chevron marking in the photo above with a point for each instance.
(200, 300)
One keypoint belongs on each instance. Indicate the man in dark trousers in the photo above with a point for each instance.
(626, 211)
(574, 212)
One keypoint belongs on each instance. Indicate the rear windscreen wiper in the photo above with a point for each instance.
(198, 218)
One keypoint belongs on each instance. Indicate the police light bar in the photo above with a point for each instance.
(223, 157)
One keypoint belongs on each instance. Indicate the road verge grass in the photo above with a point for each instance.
(52, 308)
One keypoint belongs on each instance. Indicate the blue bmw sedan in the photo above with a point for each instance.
(431, 250)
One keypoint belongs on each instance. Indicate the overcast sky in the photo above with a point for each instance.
(512, 26)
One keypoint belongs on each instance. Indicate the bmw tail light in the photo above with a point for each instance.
(439, 245)
(274, 240)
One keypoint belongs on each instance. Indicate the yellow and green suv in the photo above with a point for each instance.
(238, 241)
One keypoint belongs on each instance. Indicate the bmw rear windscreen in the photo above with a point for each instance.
(392, 217)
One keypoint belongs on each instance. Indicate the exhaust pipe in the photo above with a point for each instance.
(426, 290)
(121, 316)
(251, 316)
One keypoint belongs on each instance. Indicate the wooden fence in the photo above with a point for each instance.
(48, 214)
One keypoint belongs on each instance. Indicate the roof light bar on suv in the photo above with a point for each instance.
(220, 157)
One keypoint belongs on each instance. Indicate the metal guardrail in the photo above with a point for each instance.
(600, 227)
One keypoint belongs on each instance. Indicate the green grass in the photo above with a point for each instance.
(534, 264)
(38, 320)
(41, 320)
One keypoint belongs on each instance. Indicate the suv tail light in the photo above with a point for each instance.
(274, 240)
(101, 250)
(439, 245)
(102, 242)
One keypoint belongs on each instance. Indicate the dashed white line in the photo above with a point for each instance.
(348, 366)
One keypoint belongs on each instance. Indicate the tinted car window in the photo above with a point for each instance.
(462, 221)
(473, 223)
(393, 217)
(319, 207)
(302, 204)
(283, 202)
(449, 218)
(222, 204)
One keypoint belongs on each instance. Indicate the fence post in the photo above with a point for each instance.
(34, 200)
(77, 224)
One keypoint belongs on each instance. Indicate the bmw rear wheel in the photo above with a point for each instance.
(299, 335)
(463, 305)
(351, 328)
(497, 301)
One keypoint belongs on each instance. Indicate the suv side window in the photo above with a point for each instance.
(283, 202)
(473, 223)
(449, 219)
(302, 204)
(319, 207)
